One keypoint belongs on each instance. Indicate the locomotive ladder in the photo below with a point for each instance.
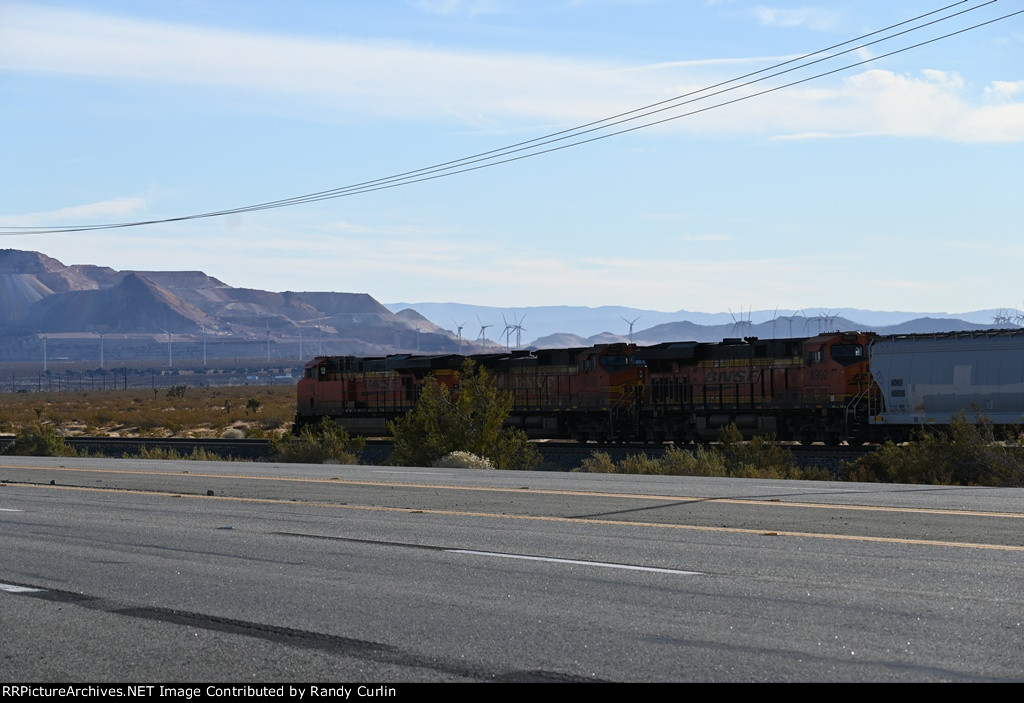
(862, 400)
(629, 401)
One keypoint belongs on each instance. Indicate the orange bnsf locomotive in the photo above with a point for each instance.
(556, 392)
(808, 389)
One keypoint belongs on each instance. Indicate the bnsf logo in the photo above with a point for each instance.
(378, 384)
(745, 376)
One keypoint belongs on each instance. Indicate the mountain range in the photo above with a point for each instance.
(86, 312)
(564, 325)
(75, 310)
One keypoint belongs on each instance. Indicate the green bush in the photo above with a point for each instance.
(761, 457)
(674, 462)
(39, 440)
(968, 454)
(702, 462)
(197, 454)
(597, 463)
(323, 443)
(471, 420)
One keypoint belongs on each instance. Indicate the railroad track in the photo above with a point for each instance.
(557, 456)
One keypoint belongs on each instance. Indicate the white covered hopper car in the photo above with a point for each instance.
(926, 379)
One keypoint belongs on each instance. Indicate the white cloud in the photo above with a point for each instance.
(498, 91)
(878, 102)
(448, 8)
(708, 237)
(116, 208)
(390, 230)
(1001, 91)
(815, 18)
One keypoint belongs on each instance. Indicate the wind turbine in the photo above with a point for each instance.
(829, 318)
(507, 333)
(630, 323)
(459, 327)
(739, 325)
(482, 337)
(806, 320)
(518, 327)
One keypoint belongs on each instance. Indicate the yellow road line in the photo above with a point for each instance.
(539, 491)
(542, 518)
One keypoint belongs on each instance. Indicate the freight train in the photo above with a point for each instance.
(833, 387)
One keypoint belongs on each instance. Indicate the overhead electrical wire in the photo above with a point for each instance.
(636, 113)
(573, 136)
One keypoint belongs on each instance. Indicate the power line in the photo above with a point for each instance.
(622, 117)
(533, 147)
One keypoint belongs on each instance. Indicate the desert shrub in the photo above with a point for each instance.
(462, 460)
(638, 464)
(701, 462)
(597, 463)
(119, 409)
(323, 443)
(761, 457)
(232, 433)
(39, 440)
(197, 454)
(968, 454)
(674, 462)
(175, 425)
(272, 422)
(471, 420)
(101, 417)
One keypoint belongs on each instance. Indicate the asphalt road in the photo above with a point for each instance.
(193, 571)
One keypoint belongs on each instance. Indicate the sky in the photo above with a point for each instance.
(895, 184)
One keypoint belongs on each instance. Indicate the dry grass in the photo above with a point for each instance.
(257, 411)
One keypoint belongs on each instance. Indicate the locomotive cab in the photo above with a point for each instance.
(608, 394)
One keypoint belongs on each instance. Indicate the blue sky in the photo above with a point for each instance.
(894, 185)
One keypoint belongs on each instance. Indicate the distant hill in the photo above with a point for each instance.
(135, 311)
(555, 326)
(135, 304)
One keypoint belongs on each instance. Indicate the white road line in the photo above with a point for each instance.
(18, 589)
(606, 565)
(11, 510)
